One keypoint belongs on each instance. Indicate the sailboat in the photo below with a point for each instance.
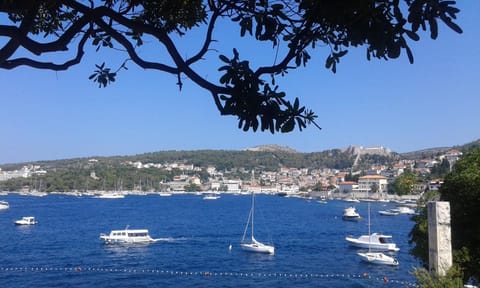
(376, 257)
(252, 245)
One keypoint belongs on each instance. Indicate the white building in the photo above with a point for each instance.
(366, 183)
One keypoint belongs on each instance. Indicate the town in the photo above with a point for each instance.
(374, 182)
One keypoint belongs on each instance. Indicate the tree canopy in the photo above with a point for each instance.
(461, 188)
(39, 28)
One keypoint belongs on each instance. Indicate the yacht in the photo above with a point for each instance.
(351, 214)
(30, 220)
(127, 236)
(4, 205)
(374, 241)
(211, 197)
(113, 195)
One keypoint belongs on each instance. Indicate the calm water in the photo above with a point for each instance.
(64, 250)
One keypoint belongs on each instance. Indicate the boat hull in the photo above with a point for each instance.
(258, 248)
(378, 258)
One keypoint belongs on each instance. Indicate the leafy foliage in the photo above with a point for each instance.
(453, 278)
(298, 27)
(462, 189)
(405, 183)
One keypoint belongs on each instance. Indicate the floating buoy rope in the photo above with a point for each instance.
(80, 269)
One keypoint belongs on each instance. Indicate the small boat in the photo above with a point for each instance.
(127, 236)
(252, 245)
(165, 194)
(388, 212)
(404, 210)
(211, 197)
(4, 205)
(110, 196)
(378, 258)
(351, 214)
(30, 220)
(375, 241)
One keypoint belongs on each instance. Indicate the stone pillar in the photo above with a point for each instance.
(439, 237)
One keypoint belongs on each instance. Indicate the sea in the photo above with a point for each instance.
(198, 243)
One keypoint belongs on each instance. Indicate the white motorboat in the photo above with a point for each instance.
(378, 258)
(351, 214)
(113, 195)
(404, 210)
(252, 245)
(4, 205)
(165, 194)
(211, 197)
(388, 212)
(29, 220)
(127, 236)
(374, 241)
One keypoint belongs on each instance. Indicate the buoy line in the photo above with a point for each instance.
(80, 269)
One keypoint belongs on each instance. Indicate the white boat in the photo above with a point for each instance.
(252, 245)
(110, 196)
(127, 236)
(388, 212)
(30, 220)
(4, 205)
(404, 210)
(351, 214)
(375, 241)
(165, 194)
(376, 257)
(211, 197)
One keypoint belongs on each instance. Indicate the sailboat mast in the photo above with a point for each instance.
(369, 233)
(253, 209)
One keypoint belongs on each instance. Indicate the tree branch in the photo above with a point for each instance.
(10, 64)
(38, 48)
(9, 49)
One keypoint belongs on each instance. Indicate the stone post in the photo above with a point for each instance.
(439, 237)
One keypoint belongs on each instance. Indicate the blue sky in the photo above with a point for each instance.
(435, 102)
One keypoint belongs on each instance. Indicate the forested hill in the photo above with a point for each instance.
(267, 157)
(226, 159)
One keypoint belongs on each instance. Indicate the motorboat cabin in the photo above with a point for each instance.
(127, 236)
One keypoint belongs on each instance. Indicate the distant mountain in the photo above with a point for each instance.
(432, 152)
(271, 148)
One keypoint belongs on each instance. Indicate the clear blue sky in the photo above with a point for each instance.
(435, 102)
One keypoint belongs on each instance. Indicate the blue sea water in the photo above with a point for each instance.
(64, 249)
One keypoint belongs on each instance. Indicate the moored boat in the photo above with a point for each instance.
(374, 241)
(29, 220)
(388, 212)
(252, 245)
(378, 258)
(4, 205)
(350, 214)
